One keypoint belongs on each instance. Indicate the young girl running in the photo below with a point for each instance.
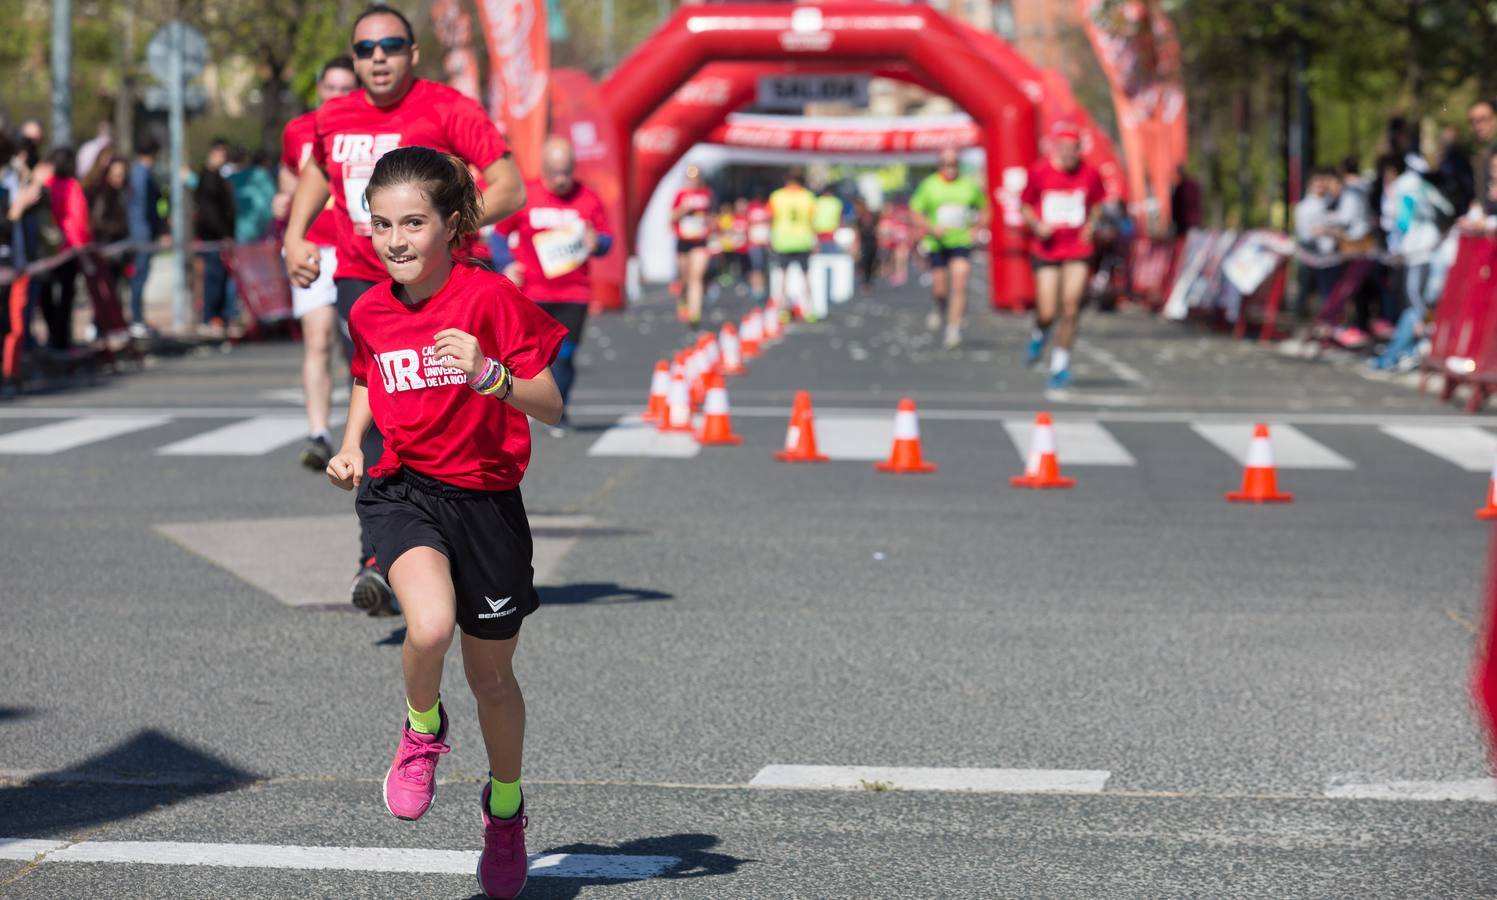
(449, 360)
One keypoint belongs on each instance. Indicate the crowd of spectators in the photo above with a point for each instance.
(1375, 247)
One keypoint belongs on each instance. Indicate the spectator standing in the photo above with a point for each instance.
(1416, 236)
(1483, 118)
(107, 192)
(1454, 175)
(70, 213)
(93, 149)
(1185, 203)
(33, 234)
(1317, 248)
(144, 226)
(213, 220)
(254, 187)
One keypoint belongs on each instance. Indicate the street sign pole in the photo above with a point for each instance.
(182, 296)
(62, 73)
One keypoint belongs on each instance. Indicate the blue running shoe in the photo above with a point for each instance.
(1058, 380)
(1036, 350)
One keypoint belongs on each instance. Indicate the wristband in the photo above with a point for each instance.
(500, 380)
(488, 378)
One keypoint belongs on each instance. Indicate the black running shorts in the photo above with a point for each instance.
(484, 535)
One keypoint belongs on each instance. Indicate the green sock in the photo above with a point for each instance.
(429, 722)
(504, 798)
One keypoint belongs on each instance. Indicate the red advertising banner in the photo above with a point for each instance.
(577, 113)
(802, 135)
(1140, 55)
(519, 74)
(455, 32)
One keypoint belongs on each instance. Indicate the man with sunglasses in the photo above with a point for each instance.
(945, 207)
(393, 109)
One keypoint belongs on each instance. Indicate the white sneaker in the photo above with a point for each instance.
(953, 337)
(139, 331)
(933, 320)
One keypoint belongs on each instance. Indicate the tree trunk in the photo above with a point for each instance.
(272, 117)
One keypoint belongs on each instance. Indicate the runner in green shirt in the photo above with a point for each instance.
(946, 206)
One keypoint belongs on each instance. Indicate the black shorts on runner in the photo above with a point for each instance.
(572, 316)
(1039, 263)
(784, 259)
(758, 259)
(484, 535)
(349, 290)
(685, 246)
(942, 256)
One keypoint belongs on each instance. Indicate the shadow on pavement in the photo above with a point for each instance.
(692, 849)
(15, 712)
(394, 639)
(598, 592)
(131, 778)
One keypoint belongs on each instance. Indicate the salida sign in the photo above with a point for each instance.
(795, 91)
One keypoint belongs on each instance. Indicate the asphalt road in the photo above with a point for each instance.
(1264, 702)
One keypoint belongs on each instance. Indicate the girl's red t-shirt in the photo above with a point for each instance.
(431, 420)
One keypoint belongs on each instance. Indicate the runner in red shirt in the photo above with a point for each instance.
(394, 109)
(313, 306)
(757, 219)
(449, 360)
(691, 213)
(562, 226)
(1062, 202)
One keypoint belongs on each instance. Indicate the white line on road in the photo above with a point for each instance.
(250, 437)
(997, 781)
(1483, 790)
(1465, 445)
(1077, 443)
(60, 436)
(1292, 448)
(854, 437)
(1119, 368)
(632, 436)
(353, 859)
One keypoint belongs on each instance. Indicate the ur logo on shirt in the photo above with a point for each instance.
(365, 148)
(407, 370)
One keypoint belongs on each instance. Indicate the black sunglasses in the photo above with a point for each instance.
(391, 45)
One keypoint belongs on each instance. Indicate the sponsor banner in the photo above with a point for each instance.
(909, 137)
(455, 32)
(577, 112)
(519, 74)
(792, 92)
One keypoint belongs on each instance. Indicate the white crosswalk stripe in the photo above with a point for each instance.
(1465, 445)
(1292, 448)
(856, 438)
(249, 437)
(632, 436)
(1078, 443)
(71, 434)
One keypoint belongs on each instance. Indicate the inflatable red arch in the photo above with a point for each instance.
(861, 35)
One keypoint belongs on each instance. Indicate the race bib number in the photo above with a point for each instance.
(951, 215)
(693, 226)
(561, 250)
(758, 233)
(355, 180)
(1063, 209)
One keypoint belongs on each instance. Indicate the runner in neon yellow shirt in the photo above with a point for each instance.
(791, 236)
(945, 207)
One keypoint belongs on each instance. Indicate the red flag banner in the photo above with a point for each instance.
(577, 113)
(519, 75)
(455, 32)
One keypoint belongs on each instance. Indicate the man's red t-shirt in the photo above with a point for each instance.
(1064, 201)
(352, 134)
(695, 224)
(759, 220)
(548, 240)
(431, 420)
(296, 148)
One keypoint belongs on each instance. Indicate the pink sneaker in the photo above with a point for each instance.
(411, 783)
(503, 865)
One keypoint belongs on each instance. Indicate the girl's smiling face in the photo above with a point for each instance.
(411, 238)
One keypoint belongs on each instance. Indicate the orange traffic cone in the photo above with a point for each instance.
(1042, 469)
(711, 354)
(800, 436)
(774, 326)
(732, 350)
(752, 332)
(1260, 483)
(905, 455)
(660, 385)
(678, 415)
(696, 371)
(718, 426)
(1490, 510)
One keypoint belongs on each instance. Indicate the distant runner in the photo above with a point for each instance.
(945, 207)
(791, 235)
(691, 215)
(313, 306)
(757, 219)
(1062, 203)
(562, 226)
(394, 109)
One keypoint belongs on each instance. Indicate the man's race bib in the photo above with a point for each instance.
(693, 226)
(355, 180)
(561, 250)
(951, 215)
(1063, 209)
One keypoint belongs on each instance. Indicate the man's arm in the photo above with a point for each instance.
(303, 262)
(285, 189)
(505, 193)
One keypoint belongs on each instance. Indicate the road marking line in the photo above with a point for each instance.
(1465, 445)
(1078, 443)
(854, 437)
(632, 436)
(251, 437)
(73, 433)
(1122, 370)
(353, 859)
(1478, 790)
(1292, 448)
(998, 781)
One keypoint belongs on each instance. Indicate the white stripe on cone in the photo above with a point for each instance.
(660, 383)
(1494, 468)
(717, 402)
(1260, 454)
(732, 357)
(906, 426)
(792, 437)
(680, 404)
